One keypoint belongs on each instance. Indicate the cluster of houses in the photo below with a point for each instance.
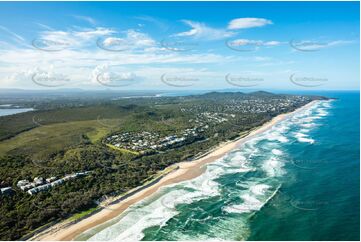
(151, 141)
(248, 104)
(40, 184)
(216, 118)
(261, 106)
(204, 119)
(206, 115)
(134, 141)
(177, 140)
(143, 141)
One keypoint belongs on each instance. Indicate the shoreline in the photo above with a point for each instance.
(186, 170)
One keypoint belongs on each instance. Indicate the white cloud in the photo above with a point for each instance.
(79, 65)
(78, 40)
(87, 34)
(245, 23)
(19, 77)
(201, 31)
(86, 18)
(71, 39)
(139, 39)
(126, 41)
(243, 42)
(308, 45)
(13, 36)
(146, 20)
(12, 33)
(44, 26)
(271, 43)
(113, 77)
(339, 42)
(81, 61)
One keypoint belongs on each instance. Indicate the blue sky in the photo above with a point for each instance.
(180, 45)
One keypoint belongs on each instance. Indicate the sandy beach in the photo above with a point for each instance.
(187, 170)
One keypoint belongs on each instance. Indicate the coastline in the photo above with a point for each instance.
(185, 171)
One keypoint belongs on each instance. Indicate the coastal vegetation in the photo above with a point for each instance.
(122, 143)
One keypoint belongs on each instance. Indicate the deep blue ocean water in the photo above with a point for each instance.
(299, 180)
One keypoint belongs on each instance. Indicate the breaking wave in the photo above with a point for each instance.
(240, 183)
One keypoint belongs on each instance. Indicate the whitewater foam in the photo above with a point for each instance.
(259, 189)
(157, 210)
(273, 167)
(277, 152)
(253, 200)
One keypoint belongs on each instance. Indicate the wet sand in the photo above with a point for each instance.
(186, 171)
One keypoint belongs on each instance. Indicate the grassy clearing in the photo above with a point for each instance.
(104, 128)
(15, 124)
(82, 214)
(122, 150)
(49, 139)
(43, 141)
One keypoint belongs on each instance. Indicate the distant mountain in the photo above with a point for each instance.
(212, 94)
(237, 94)
(261, 93)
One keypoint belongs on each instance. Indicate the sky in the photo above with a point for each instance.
(180, 45)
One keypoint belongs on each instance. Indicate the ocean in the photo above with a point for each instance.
(298, 180)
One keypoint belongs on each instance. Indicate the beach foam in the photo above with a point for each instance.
(249, 204)
(273, 167)
(277, 152)
(259, 189)
(301, 137)
(276, 136)
(265, 158)
(253, 200)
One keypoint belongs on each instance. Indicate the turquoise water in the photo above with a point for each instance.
(296, 181)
